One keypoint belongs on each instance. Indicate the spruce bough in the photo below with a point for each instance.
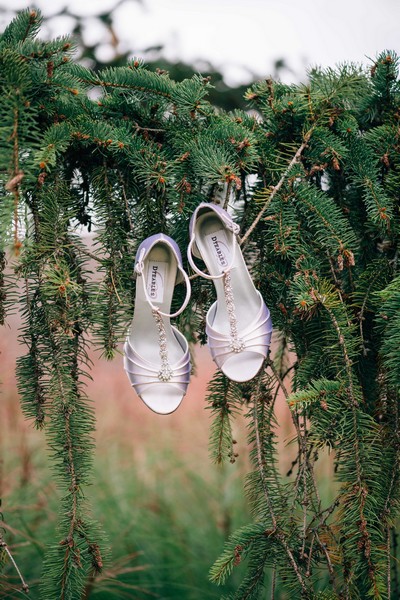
(313, 177)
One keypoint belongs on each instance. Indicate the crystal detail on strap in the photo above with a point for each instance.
(165, 373)
(236, 344)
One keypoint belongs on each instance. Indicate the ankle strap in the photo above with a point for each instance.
(139, 268)
(207, 275)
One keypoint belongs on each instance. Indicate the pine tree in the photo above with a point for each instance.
(312, 175)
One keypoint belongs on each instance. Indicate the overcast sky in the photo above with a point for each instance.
(240, 37)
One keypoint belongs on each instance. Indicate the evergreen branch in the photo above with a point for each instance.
(34, 17)
(63, 412)
(236, 548)
(370, 288)
(276, 532)
(307, 466)
(260, 457)
(327, 222)
(30, 368)
(317, 391)
(223, 395)
(360, 490)
(15, 174)
(394, 477)
(131, 79)
(113, 236)
(24, 25)
(349, 372)
(250, 588)
(338, 284)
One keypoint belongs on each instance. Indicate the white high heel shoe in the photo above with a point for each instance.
(238, 324)
(156, 354)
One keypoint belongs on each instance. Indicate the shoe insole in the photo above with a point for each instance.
(159, 277)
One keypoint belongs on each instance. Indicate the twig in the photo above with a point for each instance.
(396, 444)
(305, 490)
(115, 287)
(126, 200)
(16, 172)
(86, 252)
(227, 195)
(337, 285)
(281, 537)
(260, 460)
(389, 581)
(395, 564)
(273, 583)
(328, 510)
(325, 551)
(278, 186)
(308, 572)
(395, 261)
(3, 544)
(278, 378)
(139, 128)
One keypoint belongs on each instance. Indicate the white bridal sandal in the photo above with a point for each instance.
(156, 354)
(238, 324)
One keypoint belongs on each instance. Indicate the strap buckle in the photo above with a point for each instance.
(139, 266)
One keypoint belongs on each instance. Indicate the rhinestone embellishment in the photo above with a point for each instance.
(236, 344)
(165, 373)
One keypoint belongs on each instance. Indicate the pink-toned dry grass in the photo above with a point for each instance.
(123, 421)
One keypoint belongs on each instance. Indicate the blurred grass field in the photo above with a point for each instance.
(165, 508)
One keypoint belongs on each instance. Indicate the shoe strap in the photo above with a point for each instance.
(222, 213)
(207, 275)
(139, 269)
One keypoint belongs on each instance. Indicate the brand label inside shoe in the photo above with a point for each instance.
(155, 280)
(219, 247)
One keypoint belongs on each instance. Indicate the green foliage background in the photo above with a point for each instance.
(312, 176)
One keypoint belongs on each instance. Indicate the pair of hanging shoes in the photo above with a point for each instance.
(238, 324)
